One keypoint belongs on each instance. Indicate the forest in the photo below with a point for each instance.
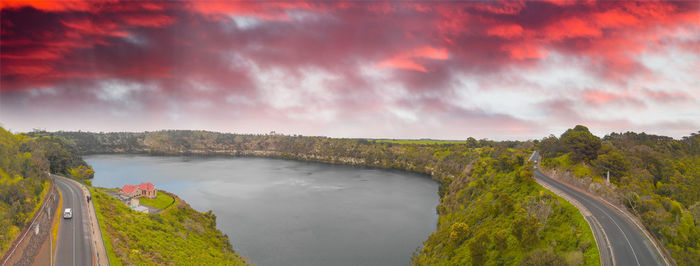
(25, 161)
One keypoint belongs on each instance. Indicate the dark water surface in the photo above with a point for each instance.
(279, 212)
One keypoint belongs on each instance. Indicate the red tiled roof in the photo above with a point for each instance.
(128, 189)
(147, 186)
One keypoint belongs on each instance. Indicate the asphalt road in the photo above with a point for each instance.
(629, 246)
(73, 235)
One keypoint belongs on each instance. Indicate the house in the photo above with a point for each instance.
(147, 190)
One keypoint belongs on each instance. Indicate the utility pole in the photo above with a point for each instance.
(608, 180)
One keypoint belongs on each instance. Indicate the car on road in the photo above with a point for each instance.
(68, 213)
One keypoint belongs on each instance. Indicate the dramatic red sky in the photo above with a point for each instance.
(449, 70)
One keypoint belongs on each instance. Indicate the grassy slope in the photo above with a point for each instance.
(162, 200)
(178, 235)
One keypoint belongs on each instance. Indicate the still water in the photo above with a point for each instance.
(280, 212)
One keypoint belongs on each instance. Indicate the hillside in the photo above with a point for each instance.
(485, 188)
(24, 163)
(178, 235)
(657, 178)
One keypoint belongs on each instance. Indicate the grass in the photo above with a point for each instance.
(161, 201)
(54, 230)
(105, 237)
(585, 235)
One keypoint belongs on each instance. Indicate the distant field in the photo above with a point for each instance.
(420, 141)
(161, 201)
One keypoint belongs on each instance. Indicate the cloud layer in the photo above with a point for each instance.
(499, 70)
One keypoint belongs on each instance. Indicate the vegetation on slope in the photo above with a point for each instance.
(657, 178)
(177, 235)
(498, 215)
(162, 201)
(491, 211)
(24, 163)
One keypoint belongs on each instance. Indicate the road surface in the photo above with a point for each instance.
(73, 234)
(628, 245)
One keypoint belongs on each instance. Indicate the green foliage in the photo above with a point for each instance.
(458, 232)
(500, 240)
(613, 162)
(525, 230)
(581, 143)
(418, 141)
(177, 235)
(23, 184)
(494, 203)
(478, 248)
(82, 172)
(549, 146)
(545, 257)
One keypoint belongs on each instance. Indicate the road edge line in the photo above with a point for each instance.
(642, 229)
(56, 223)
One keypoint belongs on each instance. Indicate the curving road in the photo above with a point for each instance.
(73, 243)
(626, 244)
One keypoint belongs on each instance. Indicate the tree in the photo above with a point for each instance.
(581, 143)
(82, 172)
(472, 143)
(525, 230)
(613, 162)
(500, 238)
(549, 146)
(478, 248)
(458, 232)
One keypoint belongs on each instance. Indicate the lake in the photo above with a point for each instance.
(281, 212)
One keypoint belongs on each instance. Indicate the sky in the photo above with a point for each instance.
(443, 70)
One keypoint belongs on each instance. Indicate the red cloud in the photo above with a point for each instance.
(479, 36)
(148, 20)
(571, 28)
(47, 5)
(506, 31)
(265, 10)
(170, 46)
(407, 60)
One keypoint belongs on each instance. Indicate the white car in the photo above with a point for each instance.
(68, 213)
